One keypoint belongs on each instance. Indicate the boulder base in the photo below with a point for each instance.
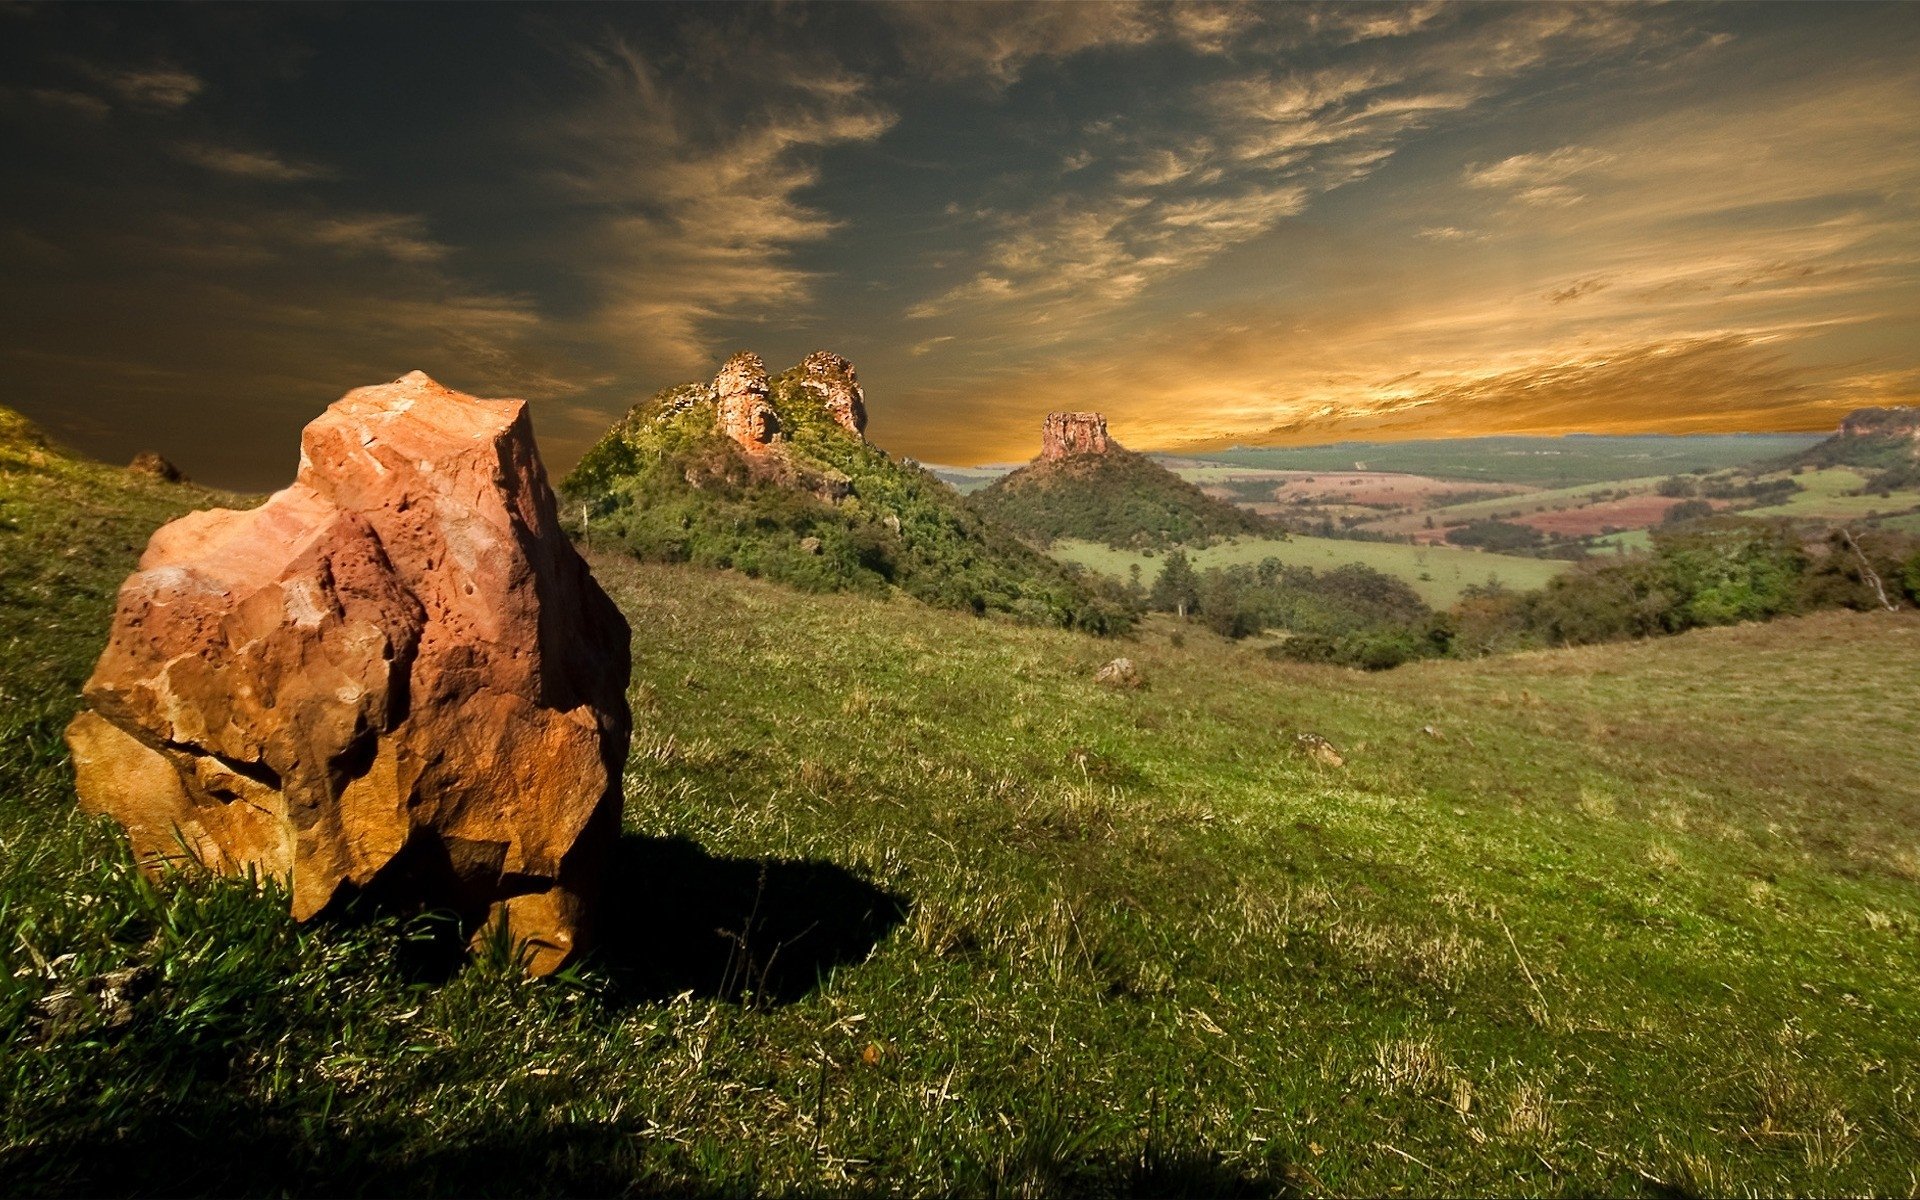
(396, 676)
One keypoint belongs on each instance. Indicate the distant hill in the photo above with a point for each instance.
(773, 476)
(1086, 486)
(1884, 439)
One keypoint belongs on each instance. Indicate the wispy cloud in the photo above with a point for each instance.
(693, 210)
(1545, 178)
(73, 101)
(161, 86)
(260, 165)
(996, 42)
(1276, 140)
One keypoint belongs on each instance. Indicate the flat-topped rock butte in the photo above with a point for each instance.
(1069, 433)
(395, 676)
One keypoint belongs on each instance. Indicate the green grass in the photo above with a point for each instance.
(1545, 461)
(1830, 493)
(1631, 539)
(1634, 919)
(1438, 573)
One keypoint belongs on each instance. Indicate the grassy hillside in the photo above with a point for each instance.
(823, 511)
(1118, 498)
(908, 904)
(1546, 461)
(1835, 493)
(1438, 573)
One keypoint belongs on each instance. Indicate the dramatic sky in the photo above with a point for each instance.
(1241, 223)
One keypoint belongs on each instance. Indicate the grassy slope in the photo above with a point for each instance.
(1448, 569)
(1643, 917)
(1546, 461)
(1830, 492)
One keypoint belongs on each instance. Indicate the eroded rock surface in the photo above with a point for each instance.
(833, 383)
(1068, 433)
(395, 676)
(1901, 422)
(740, 394)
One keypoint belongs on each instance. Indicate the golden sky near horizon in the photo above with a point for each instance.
(1215, 223)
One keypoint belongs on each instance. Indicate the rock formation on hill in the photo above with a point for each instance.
(1086, 485)
(395, 676)
(740, 398)
(1902, 422)
(1068, 433)
(832, 382)
(1884, 440)
(773, 475)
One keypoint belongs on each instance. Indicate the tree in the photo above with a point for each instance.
(1177, 589)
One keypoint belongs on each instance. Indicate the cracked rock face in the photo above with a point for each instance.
(1069, 433)
(395, 676)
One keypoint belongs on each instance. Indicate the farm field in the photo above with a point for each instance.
(1632, 919)
(1529, 504)
(1363, 488)
(1438, 573)
(1631, 512)
(1552, 462)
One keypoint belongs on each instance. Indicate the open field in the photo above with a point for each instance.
(1438, 573)
(1543, 461)
(1504, 507)
(1828, 492)
(1631, 512)
(1376, 489)
(1633, 919)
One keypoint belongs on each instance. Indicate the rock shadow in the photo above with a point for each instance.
(763, 931)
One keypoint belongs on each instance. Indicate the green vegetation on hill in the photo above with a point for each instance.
(667, 485)
(1118, 498)
(1569, 461)
(909, 905)
(1717, 571)
(1883, 444)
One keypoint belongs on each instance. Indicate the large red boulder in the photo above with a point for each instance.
(396, 676)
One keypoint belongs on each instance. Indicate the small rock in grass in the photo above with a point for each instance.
(1319, 750)
(1120, 673)
(151, 464)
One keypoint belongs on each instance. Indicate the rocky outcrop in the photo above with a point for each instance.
(832, 382)
(1069, 433)
(151, 464)
(395, 676)
(740, 395)
(1903, 422)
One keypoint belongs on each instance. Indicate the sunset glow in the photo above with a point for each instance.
(1270, 224)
